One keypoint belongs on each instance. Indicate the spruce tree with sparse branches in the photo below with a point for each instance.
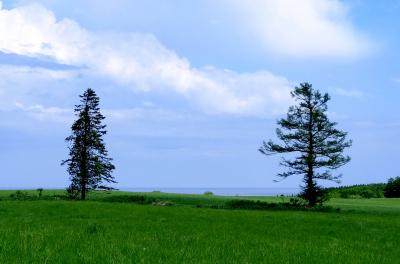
(88, 163)
(315, 142)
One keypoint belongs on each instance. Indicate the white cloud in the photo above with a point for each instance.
(66, 115)
(31, 85)
(17, 72)
(301, 28)
(140, 113)
(350, 93)
(33, 30)
(141, 62)
(42, 113)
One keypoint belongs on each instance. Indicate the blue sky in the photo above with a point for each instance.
(190, 89)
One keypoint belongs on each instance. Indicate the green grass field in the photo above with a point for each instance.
(59, 231)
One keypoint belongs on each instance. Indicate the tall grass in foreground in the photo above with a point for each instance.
(102, 232)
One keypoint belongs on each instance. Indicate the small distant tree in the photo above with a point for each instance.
(40, 191)
(313, 140)
(392, 188)
(88, 164)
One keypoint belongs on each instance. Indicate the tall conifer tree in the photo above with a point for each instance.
(88, 164)
(316, 145)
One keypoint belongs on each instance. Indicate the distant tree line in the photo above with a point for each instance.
(375, 190)
(391, 189)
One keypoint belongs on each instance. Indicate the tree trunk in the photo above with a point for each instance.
(312, 195)
(83, 189)
(84, 172)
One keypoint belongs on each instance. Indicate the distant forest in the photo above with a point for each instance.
(374, 190)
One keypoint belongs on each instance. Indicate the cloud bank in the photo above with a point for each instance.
(140, 62)
(302, 28)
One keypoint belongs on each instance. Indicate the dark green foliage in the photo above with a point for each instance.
(72, 192)
(20, 195)
(219, 203)
(248, 204)
(392, 189)
(254, 205)
(309, 134)
(374, 190)
(31, 196)
(139, 199)
(367, 194)
(293, 204)
(321, 194)
(88, 163)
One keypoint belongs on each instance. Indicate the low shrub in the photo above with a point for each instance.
(248, 204)
(298, 202)
(208, 193)
(259, 205)
(72, 193)
(367, 194)
(139, 199)
(295, 203)
(20, 195)
(23, 195)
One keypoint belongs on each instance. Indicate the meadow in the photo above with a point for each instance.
(109, 229)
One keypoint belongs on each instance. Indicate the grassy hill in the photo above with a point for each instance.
(105, 230)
